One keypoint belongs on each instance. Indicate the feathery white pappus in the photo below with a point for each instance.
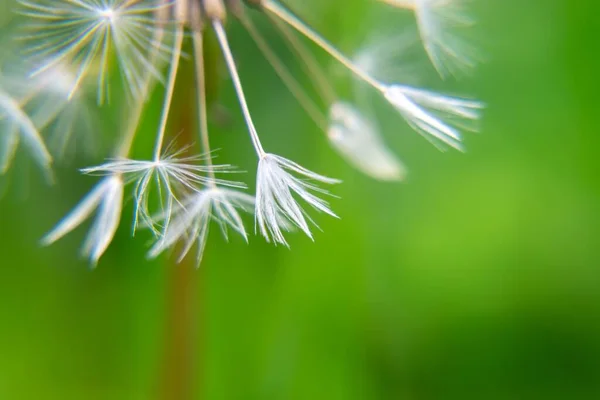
(72, 48)
(440, 23)
(107, 197)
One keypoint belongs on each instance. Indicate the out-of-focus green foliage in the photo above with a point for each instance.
(478, 278)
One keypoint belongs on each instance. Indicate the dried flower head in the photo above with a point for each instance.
(177, 192)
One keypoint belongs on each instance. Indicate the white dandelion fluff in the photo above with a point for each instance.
(433, 115)
(438, 22)
(71, 46)
(359, 141)
(107, 198)
(84, 33)
(278, 181)
(191, 220)
(276, 208)
(16, 126)
(170, 176)
(66, 122)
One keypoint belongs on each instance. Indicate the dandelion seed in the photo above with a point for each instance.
(435, 116)
(275, 207)
(83, 33)
(177, 194)
(275, 203)
(191, 219)
(170, 176)
(418, 107)
(438, 21)
(360, 142)
(190, 222)
(107, 198)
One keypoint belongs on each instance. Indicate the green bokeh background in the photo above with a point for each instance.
(477, 278)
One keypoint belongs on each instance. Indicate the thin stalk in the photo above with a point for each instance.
(288, 79)
(169, 95)
(312, 68)
(136, 114)
(180, 375)
(289, 18)
(227, 54)
(197, 38)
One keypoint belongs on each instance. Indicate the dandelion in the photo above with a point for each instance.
(179, 192)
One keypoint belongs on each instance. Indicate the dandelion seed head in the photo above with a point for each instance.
(72, 47)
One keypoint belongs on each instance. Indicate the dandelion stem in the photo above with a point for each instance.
(222, 37)
(169, 95)
(289, 18)
(288, 79)
(314, 70)
(202, 104)
(136, 115)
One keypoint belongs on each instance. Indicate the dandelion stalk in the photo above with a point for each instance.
(179, 376)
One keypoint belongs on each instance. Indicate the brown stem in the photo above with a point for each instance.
(181, 373)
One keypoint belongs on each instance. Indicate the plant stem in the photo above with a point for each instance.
(180, 372)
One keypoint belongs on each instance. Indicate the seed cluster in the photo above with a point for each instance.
(177, 196)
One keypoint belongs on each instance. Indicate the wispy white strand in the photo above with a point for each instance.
(11, 111)
(438, 22)
(418, 107)
(191, 220)
(84, 32)
(107, 198)
(278, 181)
(435, 116)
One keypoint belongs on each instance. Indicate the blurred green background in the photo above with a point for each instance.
(477, 278)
